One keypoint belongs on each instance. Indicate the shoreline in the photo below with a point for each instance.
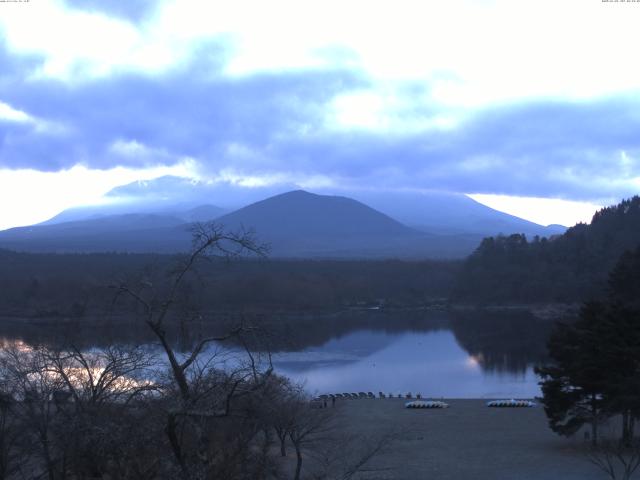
(543, 311)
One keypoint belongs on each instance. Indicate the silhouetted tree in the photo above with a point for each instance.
(624, 281)
(574, 386)
(617, 460)
(596, 360)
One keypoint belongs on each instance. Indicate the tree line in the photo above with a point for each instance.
(75, 286)
(563, 269)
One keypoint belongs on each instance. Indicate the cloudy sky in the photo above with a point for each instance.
(529, 106)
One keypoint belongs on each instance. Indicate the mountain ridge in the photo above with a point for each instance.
(428, 211)
(297, 224)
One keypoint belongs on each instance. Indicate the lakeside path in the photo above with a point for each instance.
(467, 441)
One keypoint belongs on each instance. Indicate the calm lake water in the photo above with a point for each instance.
(445, 354)
(431, 363)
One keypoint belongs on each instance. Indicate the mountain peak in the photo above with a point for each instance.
(298, 193)
(299, 222)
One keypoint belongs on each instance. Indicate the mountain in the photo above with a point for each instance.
(307, 214)
(451, 213)
(300, 223)
(201, 213)
(572, 267)
(185, 212)
(429, 211)
(295, 224)
(303, 224)
(174, 196)
(126, 233)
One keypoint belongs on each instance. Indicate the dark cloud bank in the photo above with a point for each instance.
(275, 123)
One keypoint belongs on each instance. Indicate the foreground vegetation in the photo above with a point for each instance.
(112, 413)
(119, 412)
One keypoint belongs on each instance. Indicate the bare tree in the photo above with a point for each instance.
(32, 388)
(73, 408)
(309, 427)
(347, 455)
(209, 240)
(115, 374)
(617, 459)
(282, 409)
(12, 459)
(319, 435)
(204, 389)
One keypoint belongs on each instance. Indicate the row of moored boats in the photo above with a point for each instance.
(419, 402)
(493, 403)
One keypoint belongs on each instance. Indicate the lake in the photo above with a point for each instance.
(431, 363)
(438, 354)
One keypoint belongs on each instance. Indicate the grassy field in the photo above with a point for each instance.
(466, 441)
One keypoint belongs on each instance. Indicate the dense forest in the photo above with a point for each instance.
(77, 286)
(568, 268)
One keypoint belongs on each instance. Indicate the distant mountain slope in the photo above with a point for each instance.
(569, 268)
(451, 213)
(171, 195)
(300, 223)
(129, 221)
(202, 213)
(130, 232)
(431, 211)
(304, 213)
(296, 224)
(185, 212)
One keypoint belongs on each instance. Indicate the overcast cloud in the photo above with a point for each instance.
(309, 107)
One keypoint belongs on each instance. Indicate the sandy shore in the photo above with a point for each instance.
(467, 441)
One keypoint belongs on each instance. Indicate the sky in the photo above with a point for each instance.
(531, 107)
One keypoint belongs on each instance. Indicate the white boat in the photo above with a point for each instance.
(511, 403)
(426, 404)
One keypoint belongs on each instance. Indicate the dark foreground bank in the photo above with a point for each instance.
(466, 441)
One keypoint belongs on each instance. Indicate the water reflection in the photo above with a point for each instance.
(503, 342)
(454, 354)
(432, 363)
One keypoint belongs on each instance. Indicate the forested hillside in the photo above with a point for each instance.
(77, 285)
(568, 268)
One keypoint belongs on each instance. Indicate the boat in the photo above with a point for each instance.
(426, 404)
(511, 403)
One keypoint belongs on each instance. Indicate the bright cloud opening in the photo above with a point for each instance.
(41, 195)
(544, 211)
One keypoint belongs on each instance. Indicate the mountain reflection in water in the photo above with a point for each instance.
(432, 363)
(460, 355)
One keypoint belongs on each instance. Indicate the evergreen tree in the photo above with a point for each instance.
(624, 281)
(563, 268)
(574, 386)
(596, 369)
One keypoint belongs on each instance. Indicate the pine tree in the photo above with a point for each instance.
(596, 361)
(574, 386)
